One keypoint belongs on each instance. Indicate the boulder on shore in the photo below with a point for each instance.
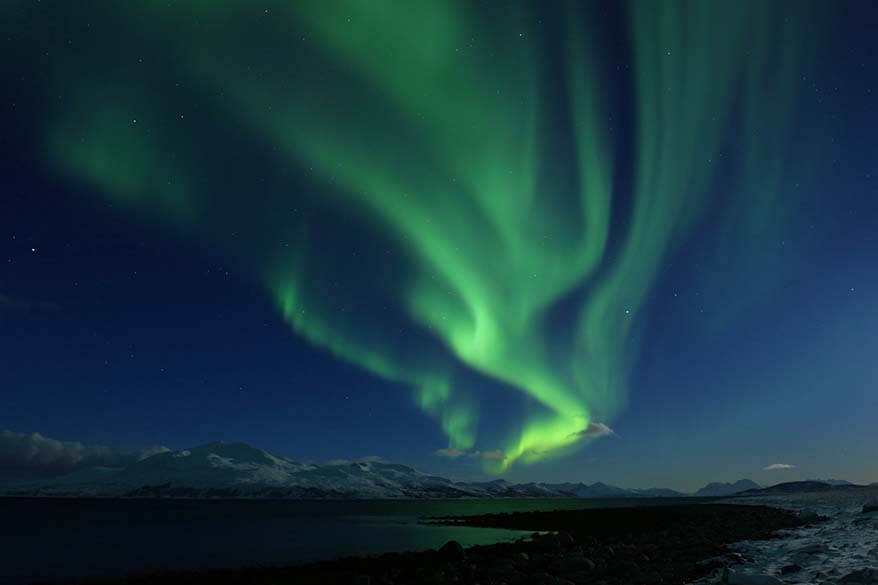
(452, 551)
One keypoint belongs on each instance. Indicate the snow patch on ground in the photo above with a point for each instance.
(827, 552)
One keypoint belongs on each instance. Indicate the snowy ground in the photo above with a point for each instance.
(836, 551)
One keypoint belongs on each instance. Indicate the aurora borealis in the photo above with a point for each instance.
(470, 203)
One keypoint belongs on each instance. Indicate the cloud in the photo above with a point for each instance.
(595, 430)
(450, 453)
(34, 455)
(777, 466)
(456, 453)
(367, 459)
(149, 451)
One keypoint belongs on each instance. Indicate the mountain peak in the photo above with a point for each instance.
(726, 489)
(221, 469)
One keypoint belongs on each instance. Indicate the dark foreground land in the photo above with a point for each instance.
(645, 546)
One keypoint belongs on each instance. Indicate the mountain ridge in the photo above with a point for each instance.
(717, 488)
(810, 485)
(238, 470)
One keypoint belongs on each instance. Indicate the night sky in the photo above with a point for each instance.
(628, 242)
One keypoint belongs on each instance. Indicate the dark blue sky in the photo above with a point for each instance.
(118, 328)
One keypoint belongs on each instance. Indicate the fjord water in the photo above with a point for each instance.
(47, 538)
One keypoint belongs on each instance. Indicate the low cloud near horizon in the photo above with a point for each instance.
(595, 430)
(778, 466)
(367, 459)
(456, 453)
(25, 455)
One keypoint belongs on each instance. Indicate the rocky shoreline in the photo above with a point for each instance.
(665, 545)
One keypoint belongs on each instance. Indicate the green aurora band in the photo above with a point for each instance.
(426, 128)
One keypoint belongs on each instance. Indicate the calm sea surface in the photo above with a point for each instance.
(65, 538)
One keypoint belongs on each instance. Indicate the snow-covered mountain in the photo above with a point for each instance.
(833, 481)
(595, 490)
(239, 470)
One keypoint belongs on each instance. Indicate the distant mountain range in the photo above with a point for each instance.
(229, 470)
(810, 485)
(239, 470)
(727, 489)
